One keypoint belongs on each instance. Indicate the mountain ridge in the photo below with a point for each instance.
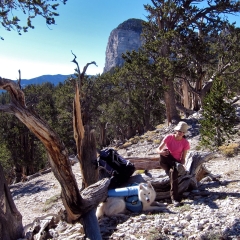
(54, 79)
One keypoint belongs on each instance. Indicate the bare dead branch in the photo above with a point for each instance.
(17, 95)
(19, 78)
(85, 68)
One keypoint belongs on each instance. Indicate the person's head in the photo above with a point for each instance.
(182, 128)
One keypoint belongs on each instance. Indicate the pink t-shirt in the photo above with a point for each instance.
(176, 147)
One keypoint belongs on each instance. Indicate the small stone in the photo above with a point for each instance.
(188, 217)
(165, 230)
(143, 217)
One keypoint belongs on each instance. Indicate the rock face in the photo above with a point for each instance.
(126, 37)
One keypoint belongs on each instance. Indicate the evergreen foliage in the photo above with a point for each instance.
(5, 158)
(219, 116)
(141, 80)
(9, 12)
(63, 96)
(184, 41)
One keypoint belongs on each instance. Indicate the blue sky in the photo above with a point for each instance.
(83, 27)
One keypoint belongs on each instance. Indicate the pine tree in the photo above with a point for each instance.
(219, 116)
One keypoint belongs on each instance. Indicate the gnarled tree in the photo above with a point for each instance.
(178, 35)
(77, 204)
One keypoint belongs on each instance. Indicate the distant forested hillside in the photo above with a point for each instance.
(54, 79)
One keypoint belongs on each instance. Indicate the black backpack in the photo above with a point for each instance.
(117, 168)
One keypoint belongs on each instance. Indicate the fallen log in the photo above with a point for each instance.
(145, 163)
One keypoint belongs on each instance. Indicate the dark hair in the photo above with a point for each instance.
(184, 136)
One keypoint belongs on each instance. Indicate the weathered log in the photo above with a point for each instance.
(141, 163)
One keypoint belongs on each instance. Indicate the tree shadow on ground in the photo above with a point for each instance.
(233, 232)
(30, 188)
(208, 197)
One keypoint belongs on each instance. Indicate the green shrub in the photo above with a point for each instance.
(219, 116)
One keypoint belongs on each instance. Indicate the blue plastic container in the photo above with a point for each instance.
(123, 192)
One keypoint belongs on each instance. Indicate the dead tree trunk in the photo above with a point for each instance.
(86, 148)
(76, 204)
(86, 145)
(11, 227)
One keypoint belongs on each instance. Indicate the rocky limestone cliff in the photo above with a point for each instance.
(126, 37)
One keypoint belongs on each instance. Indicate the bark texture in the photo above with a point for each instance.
(76, 204)
(141, 163)
(11, 227)
(169, 99)
(86, 147)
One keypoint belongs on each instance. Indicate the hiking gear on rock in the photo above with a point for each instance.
(118, 168)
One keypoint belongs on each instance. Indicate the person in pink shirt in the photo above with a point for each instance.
(173, 150)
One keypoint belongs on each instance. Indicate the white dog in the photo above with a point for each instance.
(116, 205)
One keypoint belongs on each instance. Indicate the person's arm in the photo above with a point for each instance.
(161, 150)
(184, 153)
